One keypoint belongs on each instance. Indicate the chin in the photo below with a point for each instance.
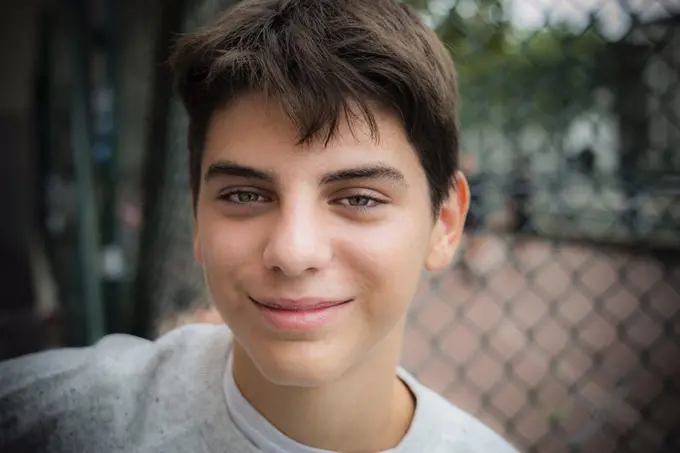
(300, 363)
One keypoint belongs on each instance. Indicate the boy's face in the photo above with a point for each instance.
(312, 253)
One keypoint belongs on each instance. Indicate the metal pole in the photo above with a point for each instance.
(88, 229)
(173, 15)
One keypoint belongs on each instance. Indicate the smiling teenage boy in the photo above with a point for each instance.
(323, 153)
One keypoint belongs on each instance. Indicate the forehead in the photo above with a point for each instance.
(252, 131)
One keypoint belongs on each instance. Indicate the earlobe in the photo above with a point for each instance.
(449, 228)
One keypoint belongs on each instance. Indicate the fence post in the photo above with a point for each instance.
(81, 146)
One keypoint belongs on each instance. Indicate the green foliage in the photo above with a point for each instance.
(542, 76)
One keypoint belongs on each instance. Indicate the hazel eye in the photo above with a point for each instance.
(360, 202)
(244, 197)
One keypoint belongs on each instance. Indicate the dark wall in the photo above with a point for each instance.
(18, 39)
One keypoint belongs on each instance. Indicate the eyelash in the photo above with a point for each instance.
(372, 201)
(226, 196)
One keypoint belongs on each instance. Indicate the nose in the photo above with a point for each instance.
(297, 242)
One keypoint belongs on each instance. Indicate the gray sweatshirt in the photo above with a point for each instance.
(127, 394)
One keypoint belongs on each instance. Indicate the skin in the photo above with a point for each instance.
(279, 220)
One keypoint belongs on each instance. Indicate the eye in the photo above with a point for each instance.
(360, 202)
(243, 197)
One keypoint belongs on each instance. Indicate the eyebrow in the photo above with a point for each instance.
(371, 171)
(227, 168)
(374, 171)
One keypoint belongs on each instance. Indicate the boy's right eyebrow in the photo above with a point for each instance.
(228, 168)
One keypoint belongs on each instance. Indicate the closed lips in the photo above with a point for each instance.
(299, 304)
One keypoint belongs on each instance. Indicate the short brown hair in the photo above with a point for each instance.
(324, 60)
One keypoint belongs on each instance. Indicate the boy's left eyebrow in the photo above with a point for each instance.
(379, 171)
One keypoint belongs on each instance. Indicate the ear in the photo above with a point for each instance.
(448, 228)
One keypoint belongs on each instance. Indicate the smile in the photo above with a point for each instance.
(299, 314)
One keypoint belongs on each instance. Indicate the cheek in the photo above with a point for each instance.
(227, 250)
(388, 262)
(225, 241)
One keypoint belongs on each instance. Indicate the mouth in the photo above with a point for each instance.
(300, 314)
(306, 304)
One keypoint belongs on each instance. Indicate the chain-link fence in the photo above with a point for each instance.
(559, 323)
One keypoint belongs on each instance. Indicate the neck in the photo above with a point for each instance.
(369, 409)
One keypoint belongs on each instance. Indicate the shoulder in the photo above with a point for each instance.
(456, 429)
(64, 395)
(114, 358)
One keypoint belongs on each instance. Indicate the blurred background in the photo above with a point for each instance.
(559, 324)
